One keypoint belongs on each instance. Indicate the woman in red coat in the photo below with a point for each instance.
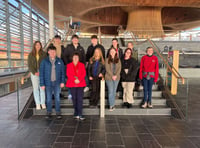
(76, 82)
(148, 74)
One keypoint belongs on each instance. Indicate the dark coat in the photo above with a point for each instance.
(33, 65)
(101, 69)
(70, 50)
(90, 51)
(45, 72)
(132, 70)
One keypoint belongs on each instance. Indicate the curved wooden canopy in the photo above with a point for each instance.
(142, 17)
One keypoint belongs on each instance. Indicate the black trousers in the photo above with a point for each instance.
(77, 98)
(95, 92)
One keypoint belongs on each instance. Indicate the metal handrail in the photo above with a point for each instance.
(47, 44)
(14, 67)
(171, 68)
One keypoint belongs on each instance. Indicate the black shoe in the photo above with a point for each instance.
(48, 116)
(125, 104)
(129, 105)
(58, 116)
(61, 96)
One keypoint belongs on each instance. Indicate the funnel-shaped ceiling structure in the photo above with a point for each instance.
(145, 18)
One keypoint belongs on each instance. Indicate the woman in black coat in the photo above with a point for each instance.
(96, 71)
(128, 77)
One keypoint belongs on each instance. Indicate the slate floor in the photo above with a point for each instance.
(110, 132)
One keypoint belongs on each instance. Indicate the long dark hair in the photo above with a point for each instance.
(111, 60)
(127, 50)
(33, 52)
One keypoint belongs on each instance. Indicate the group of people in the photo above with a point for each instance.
(71, 67)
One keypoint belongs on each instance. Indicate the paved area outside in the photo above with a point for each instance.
(111, 132)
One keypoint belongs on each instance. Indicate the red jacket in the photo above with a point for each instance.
(75, 71)
(149, 64)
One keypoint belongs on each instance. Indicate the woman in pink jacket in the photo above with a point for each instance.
(76, 82)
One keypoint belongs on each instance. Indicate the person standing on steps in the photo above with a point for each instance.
(112, 76)
(128, 77)
(59, 47)
(52, 79)
(134, 52)
(59, 51)
(76, 82)
(90, 53)
(34, 60)
(119, 52)
(135, 56)
(149, 71)
(96, 71)
(72, 48)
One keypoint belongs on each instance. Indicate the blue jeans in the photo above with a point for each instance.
(53, 89)
(147, 89)
(38, 93)
(77, 98)
(112, 88)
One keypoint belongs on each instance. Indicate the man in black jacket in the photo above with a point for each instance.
(72, 48)
(92, 47)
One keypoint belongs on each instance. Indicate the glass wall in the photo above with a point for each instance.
(20, 26)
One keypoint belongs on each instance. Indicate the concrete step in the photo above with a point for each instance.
(155, 101)
(159, 110)
(136, 94)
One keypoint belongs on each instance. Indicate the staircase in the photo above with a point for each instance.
(159, 103)
(159, 106)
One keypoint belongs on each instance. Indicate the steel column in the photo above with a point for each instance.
(8, 33)
(51, 19)
(21, 34)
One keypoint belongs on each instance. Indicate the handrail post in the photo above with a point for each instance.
(51, 19)
(174, 80)
(102, 99)
(18, 95)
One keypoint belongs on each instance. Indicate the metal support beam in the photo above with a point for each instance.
(8, 33)
(31, 23)
(45, 39)
(51, 19)
(99, 34)
(21, 34)
(38, 28)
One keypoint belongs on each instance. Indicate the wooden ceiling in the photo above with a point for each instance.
(142, 17)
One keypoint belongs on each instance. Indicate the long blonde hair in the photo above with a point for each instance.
(101, 59)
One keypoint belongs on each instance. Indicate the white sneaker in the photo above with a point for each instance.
(86, 89)
(112, 108)
(38, 107)
(43, 106)
(118, 94)
(69, 96)
(144, 105)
